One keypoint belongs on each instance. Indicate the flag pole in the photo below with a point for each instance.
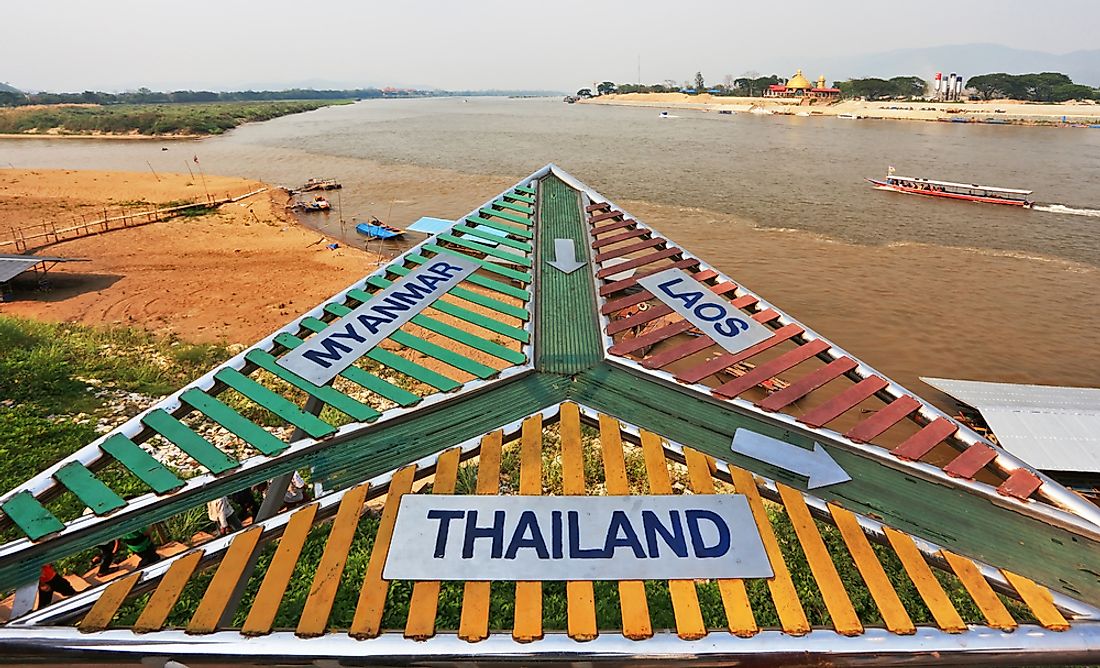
(203, 176)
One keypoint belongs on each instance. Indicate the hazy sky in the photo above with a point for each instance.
(561, 44)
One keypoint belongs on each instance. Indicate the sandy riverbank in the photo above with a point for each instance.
(1010, 111)
(232, 276)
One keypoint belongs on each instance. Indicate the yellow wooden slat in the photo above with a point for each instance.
(424, 602)
(266, 604)
(791, 615)
(996, 614)
(947, 618)
(167, 593)
(326, 579)
(844, 617)
(632, 598)
(528, 619)
(372, 597)
(473, 625)
(685, 598)
(105, 607)
(735, 599)
(1038, 598)
(224, 582)
(579, 594)
(878, 583)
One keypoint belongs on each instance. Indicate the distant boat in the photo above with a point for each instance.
(970, 192)
(849, 117)
(376, 229)
(725, 111)
(319, 184)
(664, 114)
(318, 204)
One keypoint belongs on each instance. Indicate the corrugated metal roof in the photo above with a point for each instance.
(11, 267)
(1052, 428)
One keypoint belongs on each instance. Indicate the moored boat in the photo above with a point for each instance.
(970, 192)
(376, 229)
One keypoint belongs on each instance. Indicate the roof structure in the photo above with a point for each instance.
(1052, 428)
(13, 265)
(578, 357)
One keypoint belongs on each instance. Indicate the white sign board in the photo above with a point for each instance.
(712, 315)
(322, 357)
(515, 538)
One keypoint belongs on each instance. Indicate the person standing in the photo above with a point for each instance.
(221, 511)
(138, 542)
(51, 582)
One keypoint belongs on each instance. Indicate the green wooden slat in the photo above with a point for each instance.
(428, 348)
(514, 207)
(524, 189)
(327, 394)
(141, 464)
(521, 276)
(521, 198)
(398, 363)
(488, 250)
(494, 285)
(495, 238)
(196, 447)
(451, 332)
(361, 377)
(250, 432)
(277, 404)
(505, 216)
(31, 516)
(503, 227)
(90, 490)
(452, 309)
(481, 299)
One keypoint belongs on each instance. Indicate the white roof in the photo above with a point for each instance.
(962, 185)
(1052, 428)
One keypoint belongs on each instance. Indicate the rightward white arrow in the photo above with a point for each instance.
(565, 256)
(816, 464)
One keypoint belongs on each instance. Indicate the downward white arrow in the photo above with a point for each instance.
(816, 464)
(565, 256)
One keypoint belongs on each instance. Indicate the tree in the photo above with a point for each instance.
(605, 88)
(584, 92)
(868, 89)
(700, 85)
(727, 82)
(909, 86)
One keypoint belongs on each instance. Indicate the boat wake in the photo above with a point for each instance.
(1066, 210)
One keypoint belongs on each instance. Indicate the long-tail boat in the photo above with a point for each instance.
(971, 192)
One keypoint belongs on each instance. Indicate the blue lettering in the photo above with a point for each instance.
(699, 312)
(332, 350)
(444, 269)
(690, 299)
(371, 322)
(731, 327)
(673, 538)
(555, 534)
(621, 523)
(473, 532)
(575, 549)
(444, 517)
(415, 293)
(392, 310)
(349, 334)
(431, 281)
(702, 550)
(528, 523)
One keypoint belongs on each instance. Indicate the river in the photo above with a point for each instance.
(914, 285)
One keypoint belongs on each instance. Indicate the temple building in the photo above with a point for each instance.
(800, 86)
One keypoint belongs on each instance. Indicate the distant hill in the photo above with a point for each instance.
(8, 89)
(966, 59)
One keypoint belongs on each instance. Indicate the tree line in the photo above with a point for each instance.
(1043, 87)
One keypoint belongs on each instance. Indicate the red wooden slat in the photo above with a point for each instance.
(606, 216)
(882, 419)
(656, 336)
(596, 207)
(920, 443)
(639, 297)
(806, 384)
(787, 360)
(838, 405)
(726, 360)
(687, 348)
(618, 224)
(642, 317)
(639, 262)
(622, 236)
(1021, 484)
(972, 460)
(619, 286)
(632, 248)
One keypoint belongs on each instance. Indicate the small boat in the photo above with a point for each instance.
(319, 184)
(376, 229)
(725, 111)
(849, 117)
(664, 114)
(970, 192)
(318, 204)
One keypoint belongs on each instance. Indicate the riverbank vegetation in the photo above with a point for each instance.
(209, 118)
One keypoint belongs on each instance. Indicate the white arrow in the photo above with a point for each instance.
(565, 256)
(816, 464)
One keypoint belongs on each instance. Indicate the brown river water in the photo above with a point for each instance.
(914, 286)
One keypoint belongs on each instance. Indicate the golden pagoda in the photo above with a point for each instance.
(800, 86)
(799, 82)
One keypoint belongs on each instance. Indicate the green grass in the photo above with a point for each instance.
(210, 118)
